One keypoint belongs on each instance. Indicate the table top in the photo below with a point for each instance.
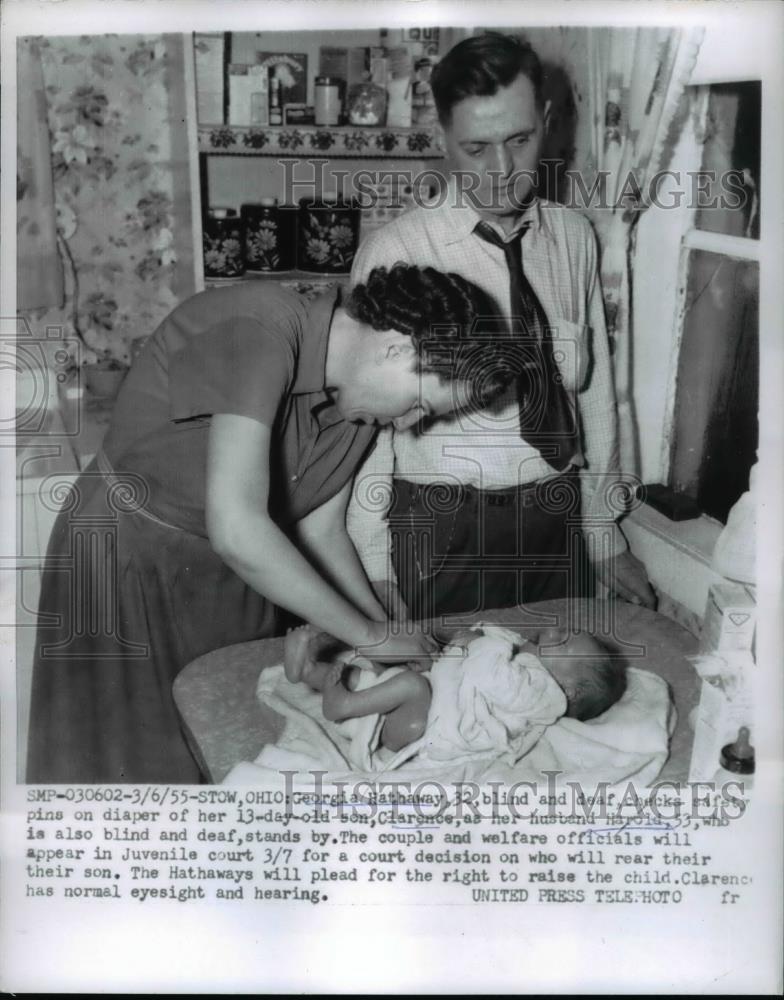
(225, 722)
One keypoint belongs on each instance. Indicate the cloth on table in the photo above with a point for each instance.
(493, 717)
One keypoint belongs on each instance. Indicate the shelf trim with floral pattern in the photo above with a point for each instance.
(344, 141)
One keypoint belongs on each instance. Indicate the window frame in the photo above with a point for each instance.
(694, 239)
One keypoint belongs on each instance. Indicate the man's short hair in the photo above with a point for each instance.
(479, 67)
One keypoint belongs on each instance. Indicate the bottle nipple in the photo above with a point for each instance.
(738, 757)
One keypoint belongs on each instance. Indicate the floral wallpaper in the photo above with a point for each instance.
(115, 106)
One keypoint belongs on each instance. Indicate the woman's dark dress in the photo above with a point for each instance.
(132, 590)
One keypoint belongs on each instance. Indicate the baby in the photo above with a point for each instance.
(581, 667)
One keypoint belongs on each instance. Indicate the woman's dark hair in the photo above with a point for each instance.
(455, 327)
(479, 67)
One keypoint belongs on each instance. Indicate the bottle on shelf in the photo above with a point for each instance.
(275, 106)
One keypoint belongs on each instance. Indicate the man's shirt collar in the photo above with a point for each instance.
(462, 217)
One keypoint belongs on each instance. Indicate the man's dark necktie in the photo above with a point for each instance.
(546, 419)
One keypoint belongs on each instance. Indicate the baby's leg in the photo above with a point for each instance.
(407, 722)
(404, 699)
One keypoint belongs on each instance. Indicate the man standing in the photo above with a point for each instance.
(515, 505)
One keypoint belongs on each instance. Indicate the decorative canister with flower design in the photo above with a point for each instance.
(269, 241)
(224, 244)
(327, 235)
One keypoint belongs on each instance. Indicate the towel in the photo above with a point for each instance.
(487, 722)
(489, 702)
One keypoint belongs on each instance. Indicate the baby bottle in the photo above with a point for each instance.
(737, 761)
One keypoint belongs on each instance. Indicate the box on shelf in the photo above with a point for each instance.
(248, 85)
(208, 49)
(299, 114)
(291, 69)
(418, 41)
(346, 63)
(377, 66)
(730, 616)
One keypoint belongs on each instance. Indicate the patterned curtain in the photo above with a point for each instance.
(637, 80)
(116, 109)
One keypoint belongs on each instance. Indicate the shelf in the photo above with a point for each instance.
(348, 142)
(307, 283)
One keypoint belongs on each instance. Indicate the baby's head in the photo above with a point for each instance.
(589, 677)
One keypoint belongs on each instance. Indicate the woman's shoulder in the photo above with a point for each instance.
(267, 302)
(247, 309)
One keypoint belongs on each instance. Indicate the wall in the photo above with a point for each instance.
(233, 180)
(121, 165)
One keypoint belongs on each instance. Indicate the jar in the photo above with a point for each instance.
(327, 235)
(326, 100)
(269, 239)
(367, 104)
(223, 242)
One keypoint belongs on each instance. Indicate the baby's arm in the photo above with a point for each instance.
(403, 698)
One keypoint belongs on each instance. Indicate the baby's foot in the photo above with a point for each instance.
(296, 652)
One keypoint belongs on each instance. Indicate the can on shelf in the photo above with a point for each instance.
(269, 236)
(327, 235)
(326, 100)
(223, 241)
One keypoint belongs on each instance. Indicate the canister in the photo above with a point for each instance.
(223, 240)
(269, 240)
(327, 234)
(326, 100)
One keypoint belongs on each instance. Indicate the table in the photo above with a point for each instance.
(225, 723)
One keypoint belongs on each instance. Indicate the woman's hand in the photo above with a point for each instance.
(388, 644)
